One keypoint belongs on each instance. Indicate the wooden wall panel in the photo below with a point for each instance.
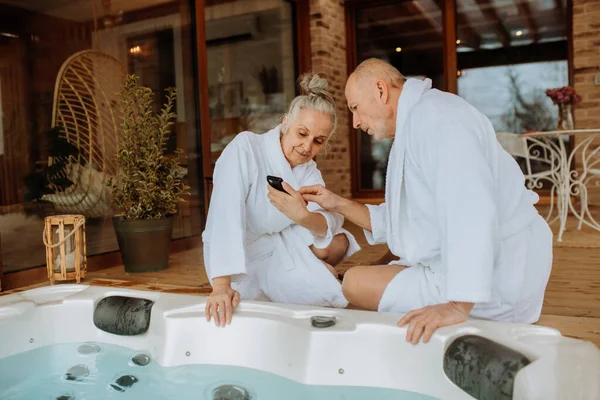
(14, 160)
(203, 97)
(450, 66)
(1, 264)
(29, 63)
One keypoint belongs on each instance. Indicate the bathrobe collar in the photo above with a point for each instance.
(412, 91)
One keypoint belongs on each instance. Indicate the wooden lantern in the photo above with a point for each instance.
(64, 237)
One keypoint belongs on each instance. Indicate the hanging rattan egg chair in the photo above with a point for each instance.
(86, 106)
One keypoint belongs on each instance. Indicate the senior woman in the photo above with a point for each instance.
(261, 243)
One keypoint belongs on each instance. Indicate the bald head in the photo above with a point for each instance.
(375, 69)
(372, 92)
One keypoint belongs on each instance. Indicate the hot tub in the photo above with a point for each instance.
(77, 341)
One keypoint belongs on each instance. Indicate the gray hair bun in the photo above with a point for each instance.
(312, 84)
(314, 96)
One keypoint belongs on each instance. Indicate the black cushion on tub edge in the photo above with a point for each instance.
(483, 368)
(121, 315)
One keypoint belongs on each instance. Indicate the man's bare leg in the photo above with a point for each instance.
(334, 253)
(363, 286)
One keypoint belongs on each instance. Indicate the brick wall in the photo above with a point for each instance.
(328, 47)
(586, 61)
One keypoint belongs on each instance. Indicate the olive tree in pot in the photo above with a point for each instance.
(148, 185)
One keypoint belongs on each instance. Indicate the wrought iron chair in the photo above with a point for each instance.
(540, 162)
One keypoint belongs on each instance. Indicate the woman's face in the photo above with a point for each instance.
(306, 136)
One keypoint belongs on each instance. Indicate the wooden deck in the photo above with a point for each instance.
(571, 305)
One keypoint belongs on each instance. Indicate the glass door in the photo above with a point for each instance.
(39, 41)
(251, 67)
(409, 35)
(499, 56)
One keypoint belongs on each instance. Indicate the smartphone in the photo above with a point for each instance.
(276, 182)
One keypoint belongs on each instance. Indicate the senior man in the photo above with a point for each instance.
(457, 213)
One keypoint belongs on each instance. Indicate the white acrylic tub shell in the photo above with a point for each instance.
(362, 349)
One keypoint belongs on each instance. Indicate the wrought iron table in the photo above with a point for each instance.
(567, 180)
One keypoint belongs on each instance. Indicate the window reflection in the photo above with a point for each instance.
(151, 38)
(513, 96)
(409, 35)
(251, 67)
(509, 53)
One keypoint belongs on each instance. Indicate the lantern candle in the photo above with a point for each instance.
(64, 237)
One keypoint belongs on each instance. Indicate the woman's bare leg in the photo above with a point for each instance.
(363, 286)
(334, 253)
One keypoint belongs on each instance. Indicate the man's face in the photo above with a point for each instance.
(370, 112)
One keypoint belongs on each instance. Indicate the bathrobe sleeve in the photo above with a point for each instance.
(378, 233)
(452, 156)
(227, 210)
(334, 220)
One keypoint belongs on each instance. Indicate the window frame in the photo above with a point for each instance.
(450, 74)
(302, 52)
(302, 61)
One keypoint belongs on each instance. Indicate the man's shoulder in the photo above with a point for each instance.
(441, 103)
(437, 109)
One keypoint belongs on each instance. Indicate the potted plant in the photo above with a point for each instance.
(269, 80)
(148, 185)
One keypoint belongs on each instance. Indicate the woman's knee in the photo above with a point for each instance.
(334, 253)
(337, 249)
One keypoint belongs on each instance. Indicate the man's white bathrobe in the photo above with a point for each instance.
(266, 253)
(458, 213)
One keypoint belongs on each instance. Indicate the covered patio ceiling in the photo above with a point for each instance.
(417, 25)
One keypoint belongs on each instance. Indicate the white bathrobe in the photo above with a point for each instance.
(458, 213)
(246, 237)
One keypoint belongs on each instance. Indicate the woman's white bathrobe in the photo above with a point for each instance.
(457, 211)
(246, 237)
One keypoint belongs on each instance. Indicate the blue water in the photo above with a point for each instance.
(95, 371)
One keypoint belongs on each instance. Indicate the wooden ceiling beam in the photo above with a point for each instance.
(465, 32)
(413, 37)
(525, 14)
(371, 32)
(489, 12)
(558, 6)
(389, 44)
(437, 25)
(403, 13)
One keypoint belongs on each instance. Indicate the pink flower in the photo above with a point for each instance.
(564, 95)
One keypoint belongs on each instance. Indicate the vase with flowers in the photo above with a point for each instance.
(565, 97)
